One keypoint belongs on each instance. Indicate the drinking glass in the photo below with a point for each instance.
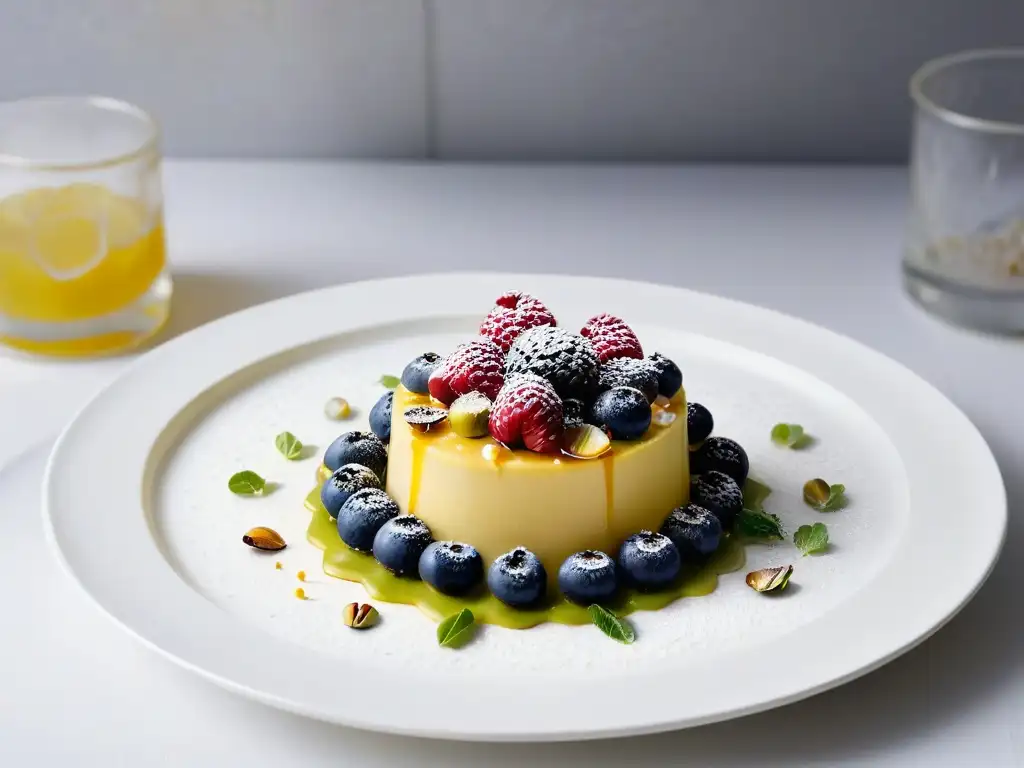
(82, 258)
(964, 255)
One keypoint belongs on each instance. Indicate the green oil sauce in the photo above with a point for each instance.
(344, 563)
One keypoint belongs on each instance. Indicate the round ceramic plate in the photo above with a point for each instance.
(140, 513)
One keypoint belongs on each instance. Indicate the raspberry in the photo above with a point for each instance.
(528, 412)
(473, 367)
(612, 338)
(515, 312)
(566, 360)
(630, 372)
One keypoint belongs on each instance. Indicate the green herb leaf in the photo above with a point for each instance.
(824, 497)
(836, 498)
(616, 628)
(754, 494)
(289, 445)
(770, 579)
(246, 483)
(454, 631)
(789, 435)
(389, 381)
(811, 539)
(760, 525)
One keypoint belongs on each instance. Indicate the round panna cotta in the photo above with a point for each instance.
(478, 492)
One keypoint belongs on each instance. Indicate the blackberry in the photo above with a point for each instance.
(629, 372)
(565, 359)
(719, 494)
(724, 455)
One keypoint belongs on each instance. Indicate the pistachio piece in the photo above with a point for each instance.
(470, 414)
(586, 442)
(770, 579)
(823, 496)
(423, 417)
(360, 616)
(264, 538)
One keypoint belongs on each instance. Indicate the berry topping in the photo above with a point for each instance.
(423, 417)
(623, 411)
(400, 543)
(699, 423)
(573, 412)
(723, 455)
(630, 372)
(528, 412)
(670, 378)
(719, 494)
(380, 417)
(588, 577)
(563, 358)
(451, 568)
(694, 530)
(362, 515)
(473, 367)
(515, 312)
(612, 338)
(357, 448)
(343, 483)
(649, 560)
(518, 579)
(469, 415)
(417, 372)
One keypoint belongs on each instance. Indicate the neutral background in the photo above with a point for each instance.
(504, 79)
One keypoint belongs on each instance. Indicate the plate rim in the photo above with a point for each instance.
(289, 698)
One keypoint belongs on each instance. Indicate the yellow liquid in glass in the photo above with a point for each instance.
(73, 253)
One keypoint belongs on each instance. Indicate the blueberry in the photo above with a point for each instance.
(670, 378)
(451, 568)
(399, 544)
(358, 448)
(624, 411)
(649, 561)
(694, 530)
(518, 579)
(699, 423)
(723, 455)
(417, 372)
(719, 494)
(588, 577)
(343, 483)
(362, 516)
(380, 417)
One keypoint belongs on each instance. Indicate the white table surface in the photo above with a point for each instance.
(822, 243)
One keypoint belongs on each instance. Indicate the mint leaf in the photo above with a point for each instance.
(770, 579)
(811, 539)
(836, 498)
(760, 525)
(389, 381)
(289, 445)
(789, 435)
(246, 483)
(454, 631)
(616, 628)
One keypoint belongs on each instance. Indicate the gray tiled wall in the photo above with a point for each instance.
(503, 79)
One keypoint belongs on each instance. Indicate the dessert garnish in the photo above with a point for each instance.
(389, 382)
(616, 628)
(770, 579)
(400, 543)
(518, 579)
(362, 516)
(528, 412)
(758, 524)
(301, 575)
(649, 561)
(417, 373)
(723, 455)
(451, 567)
(630, 372)
(456, 630)
(588, 577)
(423, 417)
(824, 497)
(789, 435)
(490, 452)
(564, 359)
(811, 539)
(363, 448)
(612, 338)
(474, 367)
(695, 531)
(359, 616)
(513, 314)
(300, 593)
(343, 483)
(278, 565)
(246, 483)
(289, 446)
(670, 378)
(380, 417)
(699, 423)
(469, 415)
(585, 442)
(719, 494)
(624, 411)
(337, 408)
(264, 538)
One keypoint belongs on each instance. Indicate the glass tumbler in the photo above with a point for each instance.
(964, 255)
(82, 258)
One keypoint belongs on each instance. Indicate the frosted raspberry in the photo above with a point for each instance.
(528, 412)
(473, 367)
(612, 338)
(515, 312)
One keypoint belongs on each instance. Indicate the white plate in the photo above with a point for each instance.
(139, 512)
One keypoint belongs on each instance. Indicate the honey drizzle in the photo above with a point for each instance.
(608, 462)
